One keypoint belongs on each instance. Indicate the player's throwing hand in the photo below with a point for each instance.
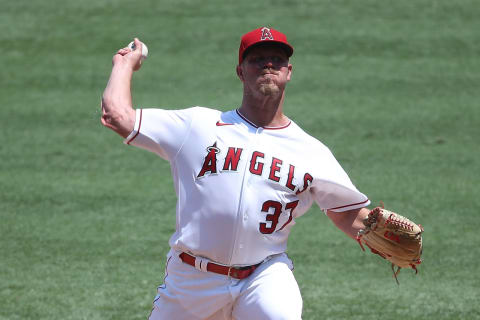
(129, 57)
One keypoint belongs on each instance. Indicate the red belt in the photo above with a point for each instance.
(234, 272)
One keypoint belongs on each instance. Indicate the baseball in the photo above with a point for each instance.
(131, 46)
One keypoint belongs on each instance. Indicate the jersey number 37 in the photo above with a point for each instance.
(277, 208)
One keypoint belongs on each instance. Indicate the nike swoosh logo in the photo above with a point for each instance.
(219, 124)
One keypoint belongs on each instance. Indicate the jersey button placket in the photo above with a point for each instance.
(247, 193)
(242, 214)
(250, 178)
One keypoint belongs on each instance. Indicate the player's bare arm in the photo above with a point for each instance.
(117, 110)
(350, 222)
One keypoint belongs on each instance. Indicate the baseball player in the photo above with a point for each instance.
(242, 178)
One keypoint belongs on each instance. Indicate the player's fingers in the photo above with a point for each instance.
(136, 53)
(123, 51)
(138, 44)
(120, 54)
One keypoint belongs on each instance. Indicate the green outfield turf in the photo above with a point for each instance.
(392, 87)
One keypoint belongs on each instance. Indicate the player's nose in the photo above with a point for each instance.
(268, 65)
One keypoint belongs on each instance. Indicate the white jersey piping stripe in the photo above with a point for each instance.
(350, 205)
(139, 126)
(267, 128)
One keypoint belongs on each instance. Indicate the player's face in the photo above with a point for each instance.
(265, 70)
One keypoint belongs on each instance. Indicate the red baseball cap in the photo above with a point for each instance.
(262, 35)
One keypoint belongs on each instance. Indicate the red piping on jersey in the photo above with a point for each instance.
(139, 126)
(267, 128)
(349, 205)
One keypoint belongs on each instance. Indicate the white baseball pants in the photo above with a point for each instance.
(271, 292)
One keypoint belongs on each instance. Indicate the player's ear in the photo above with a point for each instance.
(289, 75)
(240, 72)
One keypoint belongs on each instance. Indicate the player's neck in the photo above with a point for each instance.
(264, 112)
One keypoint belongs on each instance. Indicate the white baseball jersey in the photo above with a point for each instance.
(240, 187)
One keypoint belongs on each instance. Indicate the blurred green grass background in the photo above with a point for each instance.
(390, 86)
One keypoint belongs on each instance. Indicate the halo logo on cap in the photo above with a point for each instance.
(266, 34)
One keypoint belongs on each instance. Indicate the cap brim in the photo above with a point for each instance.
(288, 49)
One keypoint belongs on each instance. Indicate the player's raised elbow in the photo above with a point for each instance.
(118, 118)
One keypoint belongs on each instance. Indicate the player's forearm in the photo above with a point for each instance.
(350, 222)
(117, 111)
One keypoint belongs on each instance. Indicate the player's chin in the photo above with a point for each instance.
(269, 89)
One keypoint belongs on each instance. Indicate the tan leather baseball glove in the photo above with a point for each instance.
(393, 237)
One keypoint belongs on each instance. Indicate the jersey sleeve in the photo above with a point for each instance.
(161, 131)
(333, 190)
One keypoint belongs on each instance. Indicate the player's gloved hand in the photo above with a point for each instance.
(128, 57)
(393, 237)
